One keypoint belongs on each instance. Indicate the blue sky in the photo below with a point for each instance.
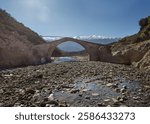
(113, 18)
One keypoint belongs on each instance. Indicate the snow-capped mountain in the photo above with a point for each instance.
(98, 39)
(91, 37)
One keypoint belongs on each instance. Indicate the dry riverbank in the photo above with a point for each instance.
(75, 84)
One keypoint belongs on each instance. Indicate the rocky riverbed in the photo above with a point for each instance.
(75, 84)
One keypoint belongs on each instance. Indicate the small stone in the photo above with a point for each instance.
(139, 90)
(37, 91)
(144, 102)
(74, 91)
(21, 105)
(68, 105)
(136, 98)
(43, 104)
(66, 86)
(109, 84)
(48, 105)
(31, 91)
(80, 94)
(67, 89)
(124, 87)
(87, 97)
(51, 97)
(118, 98)
(108, 105)
(123, 90)
(115, 85)
(62, 91)
(39, 76)
(8, 75)
(107, 100)
(62, 105)
(125, 93)
(124, 98)
(37, 82)
(123, 106)
(21, 91)
(52, 105)
(121, 100)
(147, 86)
(17, 105)
(36, 96)
(117, 90)
(114, 100)
(52, 102)
(100, 104)
(95, 94)
(1, 104)
(46, 99)
(1, 91)
(84, 90)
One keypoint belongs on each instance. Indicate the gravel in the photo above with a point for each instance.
(37, 85)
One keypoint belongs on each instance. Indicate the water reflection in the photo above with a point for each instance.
(64, 59)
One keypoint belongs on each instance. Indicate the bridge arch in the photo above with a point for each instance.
(70, 49)
(90, 48)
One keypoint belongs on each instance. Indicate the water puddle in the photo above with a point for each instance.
(96, 90)
(65, 96)
(86, 91)
(83, 90)
(93, 90)
(64, 59)
(130, 85)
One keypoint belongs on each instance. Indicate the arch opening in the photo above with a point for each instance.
(70, 51)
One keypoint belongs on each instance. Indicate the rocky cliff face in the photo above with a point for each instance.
(135, 49)
(144, 62)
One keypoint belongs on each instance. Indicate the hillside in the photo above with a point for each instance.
(16, 42)
(136, 48)
(8, 23)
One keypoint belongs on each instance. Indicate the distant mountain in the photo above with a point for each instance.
(98, 39)
(71, 46)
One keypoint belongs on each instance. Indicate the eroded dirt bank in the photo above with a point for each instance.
(75, 84)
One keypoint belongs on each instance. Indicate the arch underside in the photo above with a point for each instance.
(58, 52)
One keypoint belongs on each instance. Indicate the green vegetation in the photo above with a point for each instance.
(138, 38)
(142, 35)
(148, 19)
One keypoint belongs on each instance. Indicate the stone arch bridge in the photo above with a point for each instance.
(47, 49)
(91, 48)
(97, 52)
